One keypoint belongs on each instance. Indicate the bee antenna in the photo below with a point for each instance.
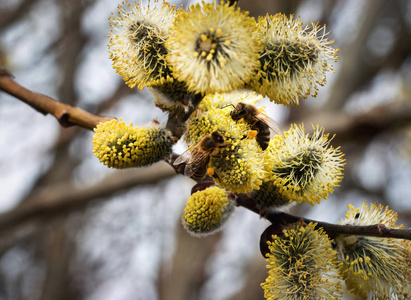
(229, 105)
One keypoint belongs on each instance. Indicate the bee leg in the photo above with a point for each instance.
(252, 134)
(210, 172)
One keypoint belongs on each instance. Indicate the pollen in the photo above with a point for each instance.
(252, 134)
(207, 211)
(210, 171)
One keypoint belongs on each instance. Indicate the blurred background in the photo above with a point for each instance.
(72, 229)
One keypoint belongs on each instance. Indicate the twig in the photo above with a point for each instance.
(176, 122)
(60, 199)
(361, 127)
(279, 219)
(333, 230)
(65, 114)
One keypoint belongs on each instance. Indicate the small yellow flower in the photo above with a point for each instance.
(380, 266)
(301, 266)
(294, 59)
(137, 47)
(304, 168)
(207, 211)
(120, 146)
(214, 48)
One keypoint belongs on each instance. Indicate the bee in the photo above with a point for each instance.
(257, 121)
(197, 157)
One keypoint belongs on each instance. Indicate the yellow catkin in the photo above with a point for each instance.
(239, 166)
(301, 265)
(294, 59)
(305, 168)
(372, 265)
(207, 211)
(118, 145)
(137, 46)
(213, 48)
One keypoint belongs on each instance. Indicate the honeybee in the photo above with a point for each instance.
(257, 121)
(197, 157)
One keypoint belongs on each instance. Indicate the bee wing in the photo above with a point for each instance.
(194, 158)
(270, 122)
(184, 157)
(198, 161)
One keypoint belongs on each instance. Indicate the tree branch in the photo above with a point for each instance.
(65, 114)
(333, 230)
(280, 219)
(62, 198)
(49, 202)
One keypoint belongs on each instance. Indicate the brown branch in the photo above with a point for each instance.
(346, 127)
(62, 198)
(176, 122)
(9, 16)
(360, 127)
(280, 219)
(69, 116)
(333, 230)
(65, 114)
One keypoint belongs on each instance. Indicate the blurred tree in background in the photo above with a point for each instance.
(72, 229)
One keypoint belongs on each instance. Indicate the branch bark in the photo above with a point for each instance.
(65, 114)
(361, 127)
(333, 230)
(62, 198)
(279, 219)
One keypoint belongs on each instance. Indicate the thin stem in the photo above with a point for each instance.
(279, 219)
(59, 199)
